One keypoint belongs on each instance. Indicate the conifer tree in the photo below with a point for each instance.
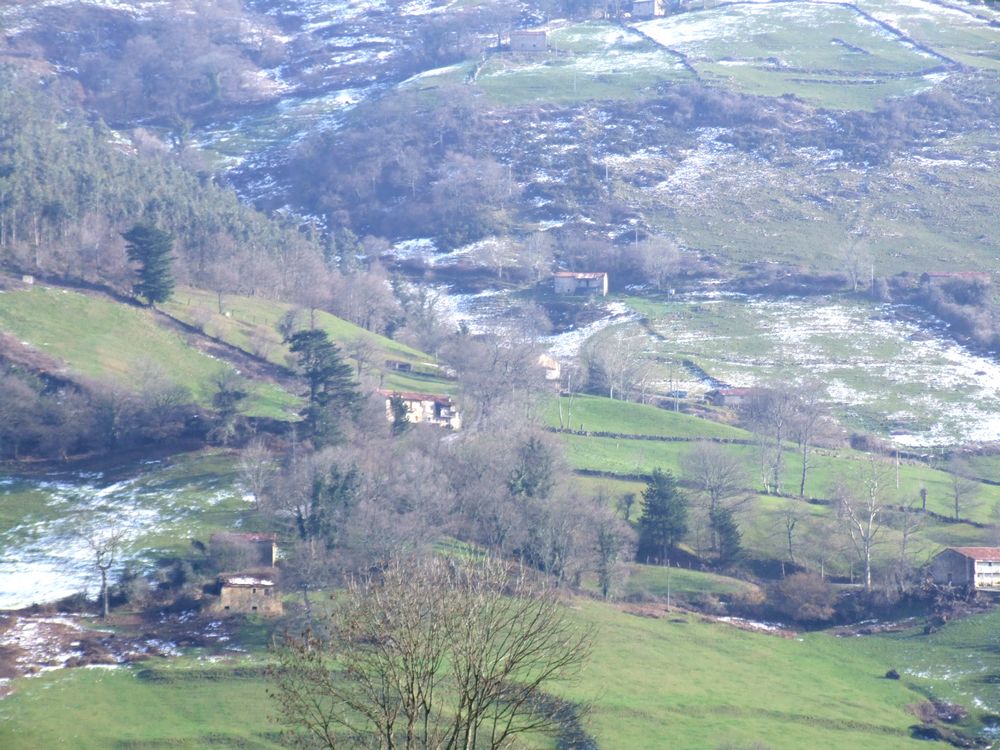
(151, 249)
(332, 391)
(726, 529)
(664, 517)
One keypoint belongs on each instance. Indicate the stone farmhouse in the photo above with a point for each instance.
(250, 592)
(574, 283)
(425, 408)
(976, 568)
(528, 40)
(730, 397)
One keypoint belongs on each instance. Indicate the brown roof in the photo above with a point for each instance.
(413, 396)
(978, 553)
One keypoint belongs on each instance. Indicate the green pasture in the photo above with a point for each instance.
(250, 324)
(826, 54)
(828, 468)
(93, 338)
(677, 677)
(684, 584)
(960, 31)
(597, 414)
(187, 702)
(878, 374)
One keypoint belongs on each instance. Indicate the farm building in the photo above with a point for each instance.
(425, 408)
(528, 40)
(250, 592)
(398, 365)
(570, 282)
(253, 549)
(550, 365)
(648, 8)
(731, 397)
(971, 567)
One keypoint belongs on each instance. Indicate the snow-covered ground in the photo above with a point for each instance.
(47, 555)
(870, 362)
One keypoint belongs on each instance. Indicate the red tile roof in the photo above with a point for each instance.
(412, 396)
(979, 553)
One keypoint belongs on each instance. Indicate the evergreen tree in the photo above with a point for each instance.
(728, 533)
(533, 476)
(230, 391)
(332, 391)
(151, 248)
(664, 517)
(400, 414)
(332, 499)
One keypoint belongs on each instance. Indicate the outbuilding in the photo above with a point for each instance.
(528, 40)
(250, 592)
(580, 283)
(976, 568)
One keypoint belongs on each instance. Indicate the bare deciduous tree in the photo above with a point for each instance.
(769, 413)
(719, 479)
(963, 489)
(430, 654)
(257, 469)
(659, 258)
(806, 421)
(105, 543)
(617, 364)
(861, 508)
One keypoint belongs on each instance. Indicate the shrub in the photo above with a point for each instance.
(803, 597)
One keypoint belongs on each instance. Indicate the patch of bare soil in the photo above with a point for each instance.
(34, 643)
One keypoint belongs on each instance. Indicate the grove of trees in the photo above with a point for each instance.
(430, 653)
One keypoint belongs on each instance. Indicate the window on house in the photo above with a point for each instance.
(267, 592)
(253, 609)
(253, 591)
(226, 607)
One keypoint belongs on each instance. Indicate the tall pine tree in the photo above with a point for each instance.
(151, 249)
(332, 391)
(664, 518)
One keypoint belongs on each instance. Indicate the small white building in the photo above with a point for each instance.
(572, 282)
(550, 366)
(977, 568)
(648, 8)
(425, 408)
(528, 40)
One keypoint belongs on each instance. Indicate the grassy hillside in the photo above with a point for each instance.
(250, 323)
(97, 339)
(700, 684)
(879, 366)
(598, 414)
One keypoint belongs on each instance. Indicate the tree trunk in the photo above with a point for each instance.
(805, 468)
(104, 593)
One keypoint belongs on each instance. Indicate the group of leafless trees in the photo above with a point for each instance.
(430, 653)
